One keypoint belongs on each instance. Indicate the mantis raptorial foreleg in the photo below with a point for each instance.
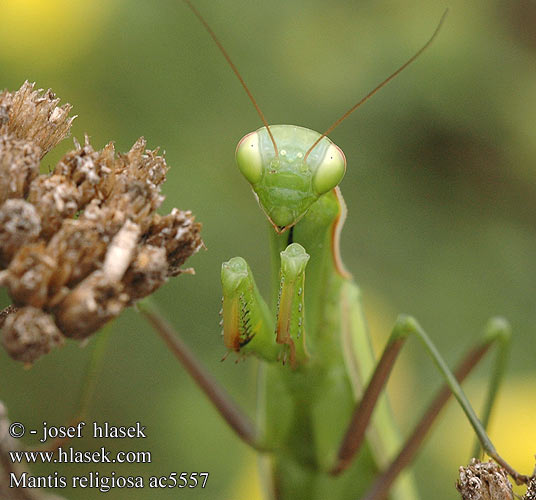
(247, 321)
(246, 316)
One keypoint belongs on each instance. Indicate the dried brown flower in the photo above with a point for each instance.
(531, 489)
(484, 481)
(80, 244)
(35, 117)
(30, 332)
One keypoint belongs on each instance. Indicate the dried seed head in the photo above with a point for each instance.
(85, 241)
(29, 333)
(178, 234)
(34, 116)
(531, 489)
(19, 165)
(146, 273)
(20, 224)
(28, 275)
(79, 247)
(90, 305)
(484, 481)
(6, 100)
(57, 197)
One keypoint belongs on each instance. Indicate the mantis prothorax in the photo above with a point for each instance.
(321, 388)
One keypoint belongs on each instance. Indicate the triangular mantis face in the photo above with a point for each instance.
(288, 181)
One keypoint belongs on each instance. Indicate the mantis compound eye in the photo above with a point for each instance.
(248, 157)
(330, 171)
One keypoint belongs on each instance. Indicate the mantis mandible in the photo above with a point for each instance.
(321, 387)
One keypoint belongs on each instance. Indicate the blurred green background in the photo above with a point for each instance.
(440, 188)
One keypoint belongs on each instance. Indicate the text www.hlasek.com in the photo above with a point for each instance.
(81, 457)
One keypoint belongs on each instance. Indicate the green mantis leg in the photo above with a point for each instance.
(493, 333)
(497, 331)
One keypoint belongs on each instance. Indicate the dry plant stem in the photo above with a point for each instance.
(88, 388)
(517, 477)
(217, 396)
(9, 468)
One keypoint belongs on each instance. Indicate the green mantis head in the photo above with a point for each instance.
(289, 181)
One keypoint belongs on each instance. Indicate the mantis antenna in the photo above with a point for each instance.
(378, 87)
(235, 70)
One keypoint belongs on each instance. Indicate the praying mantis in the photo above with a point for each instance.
(320, 391)
(350, 475)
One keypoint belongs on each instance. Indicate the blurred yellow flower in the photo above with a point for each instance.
(512, 427)
(52, 30)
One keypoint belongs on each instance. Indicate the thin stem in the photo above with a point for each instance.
(221, 400)
(89, 385)
(95, 364)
